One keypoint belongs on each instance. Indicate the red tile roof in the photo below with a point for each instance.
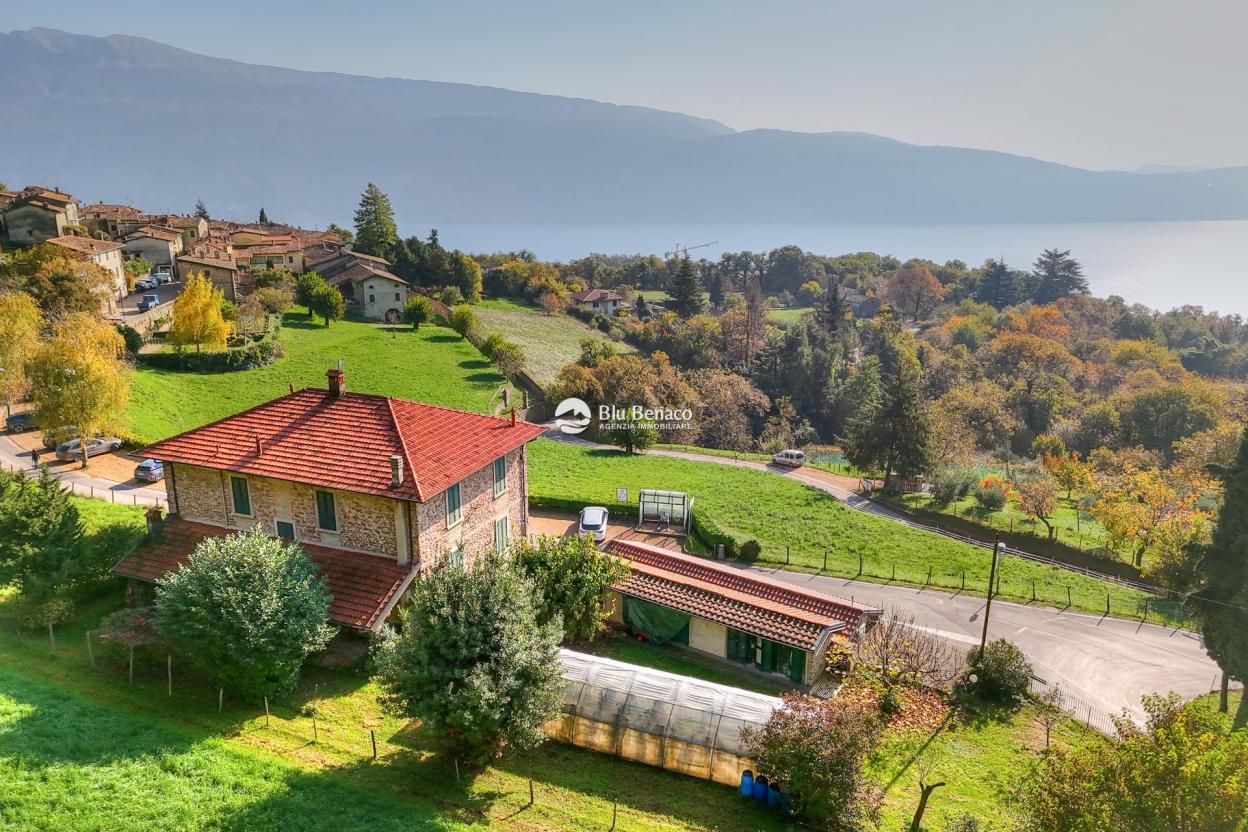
(87, 246)
(591, 295)
(733, 597)
(346, 442)
(364, 587)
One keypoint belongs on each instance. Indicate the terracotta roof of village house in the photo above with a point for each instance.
(733, 597)
(114, 209)
(346, 442)
(155, 232)
(590, 295)
(364, 587)
(216, 262)
(87, 246)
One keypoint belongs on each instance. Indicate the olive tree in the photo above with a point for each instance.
(246, 609)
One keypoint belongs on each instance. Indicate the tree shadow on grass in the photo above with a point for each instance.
(474, 364)
(443, 338)
(301, 323)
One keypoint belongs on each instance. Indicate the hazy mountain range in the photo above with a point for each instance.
(127, 119)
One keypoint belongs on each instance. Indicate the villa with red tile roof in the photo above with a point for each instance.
(730, 612)
(604, 301)
(374, 489)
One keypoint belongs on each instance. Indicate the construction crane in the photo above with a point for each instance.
(684, 250)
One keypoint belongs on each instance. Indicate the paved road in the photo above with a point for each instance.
(1108, 662)
(83, 483)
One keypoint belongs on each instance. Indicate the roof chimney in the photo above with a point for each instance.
(396, 470)
(513, 415)
(337, 383)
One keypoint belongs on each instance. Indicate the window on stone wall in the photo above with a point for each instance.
(454, 508)
(500, 534)
(241, 495)
(500, 476)
(326, 512)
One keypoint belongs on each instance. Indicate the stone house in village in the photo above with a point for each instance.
(374, 489)
(103, 253)
(38, 214)
(220, 268)
(158, 245)
(368, 288)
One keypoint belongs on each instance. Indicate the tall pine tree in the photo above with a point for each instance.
(831, 311)
(201, 210)
(1221, 606)
(999, 286)
(375, 231)
(685, 290)
(1057, 275)
(892, 434)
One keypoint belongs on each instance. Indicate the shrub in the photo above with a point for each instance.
(991, 493)
(451, 296)
(40, 537)
(273, 299)
(964, 823)
(572, 575)
(490, 344)
(417, 310)
(134, 340)
(750, 550)
(259, 354)
(1002, 673)
(246, 609)
(507, 358)
(471, 661)
(948, 485)
(814, 750)
(464, 320)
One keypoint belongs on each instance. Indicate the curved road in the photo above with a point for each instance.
(1107, 663)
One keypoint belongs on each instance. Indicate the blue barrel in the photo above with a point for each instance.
(760, 789)
(747, 783)
(786, 805)
(773, 797)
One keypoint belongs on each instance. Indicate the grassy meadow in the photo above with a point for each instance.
(432, 364)
(550, 342)
(780, 513)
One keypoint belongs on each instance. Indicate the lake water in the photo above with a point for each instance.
(1161, 264)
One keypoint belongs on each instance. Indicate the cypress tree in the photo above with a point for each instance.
(375, 231)
(1221, 606)
(686, 291)
(830, 313)
(264, 218)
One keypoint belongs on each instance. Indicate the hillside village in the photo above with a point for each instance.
(282, 476)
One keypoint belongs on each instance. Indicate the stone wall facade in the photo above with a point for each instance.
(366, 523)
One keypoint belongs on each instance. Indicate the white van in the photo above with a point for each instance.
(794, 459)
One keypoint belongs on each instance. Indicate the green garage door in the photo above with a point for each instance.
(767, 655)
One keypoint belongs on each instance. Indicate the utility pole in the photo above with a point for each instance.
(992, 582)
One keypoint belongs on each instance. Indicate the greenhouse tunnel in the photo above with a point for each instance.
(661, 719)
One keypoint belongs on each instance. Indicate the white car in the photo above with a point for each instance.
(791, 458)
(593, 522)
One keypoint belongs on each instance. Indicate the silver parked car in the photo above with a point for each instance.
(593, 522)
(72, 449)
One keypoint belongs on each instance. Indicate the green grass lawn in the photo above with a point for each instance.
(981, 757)
(432, 364)
(80, 749)
(1072, 528)
(788, 315)
(780, 513)
(550, 342)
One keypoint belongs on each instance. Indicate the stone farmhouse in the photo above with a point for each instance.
(37, 214)
(106, 255)
(374, 489)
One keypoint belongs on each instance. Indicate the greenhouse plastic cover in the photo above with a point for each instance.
(614, 677)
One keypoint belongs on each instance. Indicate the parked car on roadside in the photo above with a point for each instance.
(149, 302)
(791, 458)
(72, 449)
(593, 522)
(20, 422)
(149, 470)
(143, 284)
(161, 278)
(56, 436)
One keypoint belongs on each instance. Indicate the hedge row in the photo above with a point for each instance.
(259, 354)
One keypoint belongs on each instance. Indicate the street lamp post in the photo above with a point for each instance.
(992, 581)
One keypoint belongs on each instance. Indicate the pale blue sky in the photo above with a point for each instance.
(1095, 83)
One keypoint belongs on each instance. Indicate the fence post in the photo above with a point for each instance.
(90, 650)
(894, 571)
(1033, 589)
(266, 712)
(51, 637)
(859, 563)
(372, 735)
(1069, 602)
(169, 669)
(316, 735)
(220, 699)
(825, 560)
(531, 797)
(1107, 603)
(929, 576)
(132, 664)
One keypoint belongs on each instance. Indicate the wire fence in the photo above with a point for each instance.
(1092, 717)
(116, 494)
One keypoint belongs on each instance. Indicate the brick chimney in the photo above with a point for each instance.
(337, 383)
(396, 470)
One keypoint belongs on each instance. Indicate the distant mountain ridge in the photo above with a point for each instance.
(124, 118)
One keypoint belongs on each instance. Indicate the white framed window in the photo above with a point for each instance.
(500, 476)
(500, 534)
(454, 507)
